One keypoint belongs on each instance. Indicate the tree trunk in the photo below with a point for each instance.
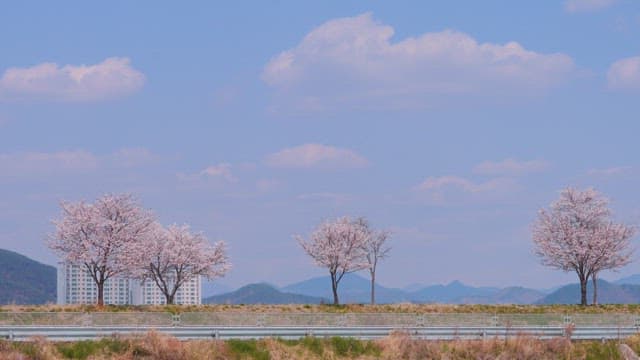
(334, 287)
(583, 290)
(100, 285)
(373, 288)
(169, 299)
(595, 289)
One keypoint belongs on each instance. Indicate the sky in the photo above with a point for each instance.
(449, 123)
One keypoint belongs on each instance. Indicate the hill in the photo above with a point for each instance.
(631, 280)
(608, 293)
(25, 281)
(454, 292)
(211, 288)
(353, 289)
(262, 294)
(509, 295)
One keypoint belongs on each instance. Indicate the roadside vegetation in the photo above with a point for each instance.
(398, 346)
(350, 308)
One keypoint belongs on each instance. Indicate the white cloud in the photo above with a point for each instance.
(624, 74)
(318, 156)
(335, 198)
(587, 5)
(113, 77)
(510, 167)
(612, 171)
(351, 62)
(267, 185)
(220, 171)
(33, 164)
(42, 163)
(132, 157)
(446, 189)
(437, 183)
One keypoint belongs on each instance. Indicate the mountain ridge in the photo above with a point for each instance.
(25, 281)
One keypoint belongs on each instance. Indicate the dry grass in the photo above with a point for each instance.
(398, 346)
(350, 308)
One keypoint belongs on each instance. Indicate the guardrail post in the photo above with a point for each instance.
(87, 319)
(421, 320)
(637, 322)
(175, 319)
(567, 319)
(342, 320)
(261, 320)
(10, 334)
(494, 320)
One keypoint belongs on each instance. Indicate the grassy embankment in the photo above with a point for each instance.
(398, 346)
(351, 308)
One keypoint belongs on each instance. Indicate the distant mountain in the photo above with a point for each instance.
(353, 288)
(356, 289)
(262, 294)
(210, 288)
(608, 293)
(413, 287)
(508, 295)
(631, 280)
(454, 292)
(25, 281)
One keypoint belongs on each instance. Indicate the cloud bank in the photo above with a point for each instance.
(352, 62)
(510, 167)
(586, 5)
(624, 74)
(35, 164)
(114, 77)
(316, 156)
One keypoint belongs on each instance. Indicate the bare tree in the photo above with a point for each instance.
(375, 249)
(577, 235)
(173, 256)
(339, 246)
(100, 235)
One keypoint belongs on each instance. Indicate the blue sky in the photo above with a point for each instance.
(449, 123)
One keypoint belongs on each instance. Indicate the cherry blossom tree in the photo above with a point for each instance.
(576, 234)
(612, 250)
(337, 245)
(375, 249)
(174, 256)
(99, 235)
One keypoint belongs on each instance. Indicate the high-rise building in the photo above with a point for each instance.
(148, 293)
(75, 286)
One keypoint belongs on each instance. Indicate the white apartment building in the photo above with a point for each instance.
(75, 286)
(148, 293)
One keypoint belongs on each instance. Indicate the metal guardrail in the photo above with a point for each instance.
(157, 319)
(227, 325)
(70, 333)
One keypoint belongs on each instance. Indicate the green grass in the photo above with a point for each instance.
(86, 348)
(313, 344)
(247, 348)
(601, 351)
(349, 347)
(319, 348)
